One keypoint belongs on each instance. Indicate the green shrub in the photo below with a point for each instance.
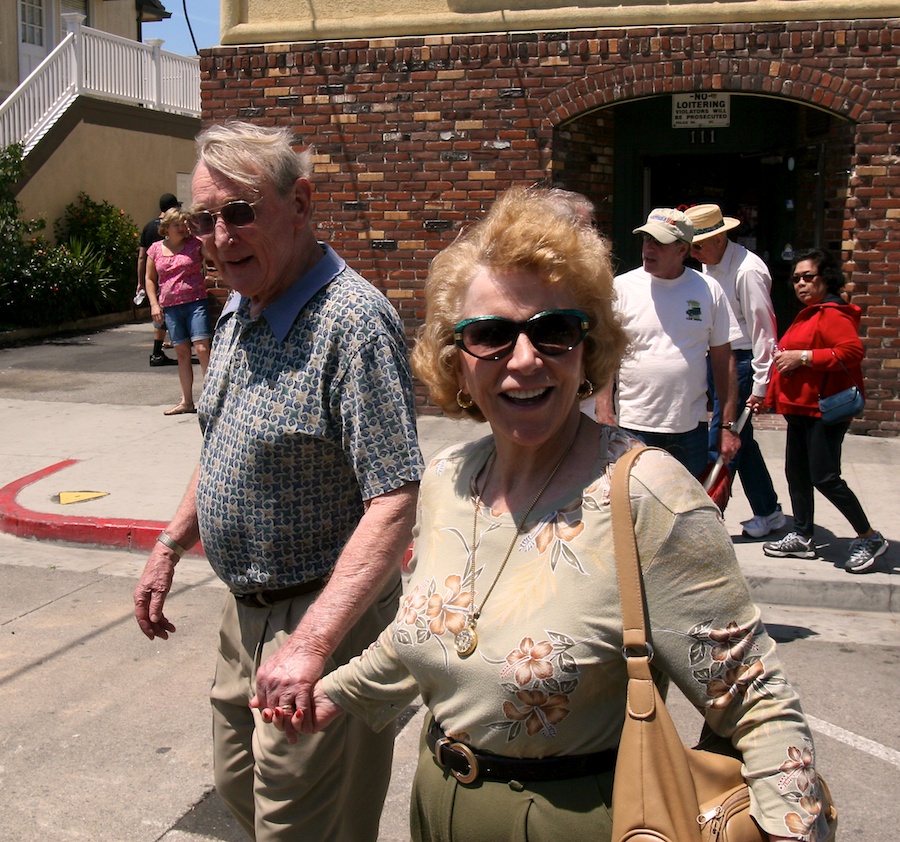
(114, 236)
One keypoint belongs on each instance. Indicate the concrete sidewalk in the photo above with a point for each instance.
(105, 735)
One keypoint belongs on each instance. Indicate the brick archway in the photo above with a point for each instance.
(806, 85)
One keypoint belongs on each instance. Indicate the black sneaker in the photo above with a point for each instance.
(161, 359)
(863, 552)
(793, 545)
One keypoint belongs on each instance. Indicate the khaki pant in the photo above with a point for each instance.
(444, 810)
(327, 787)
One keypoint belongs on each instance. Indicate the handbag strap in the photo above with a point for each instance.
(635, 648)
(846, 371)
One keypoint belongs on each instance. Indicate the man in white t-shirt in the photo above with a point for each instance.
(674, 317)
(747, 284)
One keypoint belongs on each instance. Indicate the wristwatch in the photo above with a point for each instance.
(728, 425)
(804, 358)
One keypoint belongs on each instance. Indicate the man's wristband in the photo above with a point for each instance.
(168, 541)
(728, 425)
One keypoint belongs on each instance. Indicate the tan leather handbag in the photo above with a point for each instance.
(664, 791)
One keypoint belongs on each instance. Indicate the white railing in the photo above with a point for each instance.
(104, 66)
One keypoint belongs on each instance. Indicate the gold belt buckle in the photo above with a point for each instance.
(464, 778)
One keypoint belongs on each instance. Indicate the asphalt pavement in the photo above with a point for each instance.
(105, 735)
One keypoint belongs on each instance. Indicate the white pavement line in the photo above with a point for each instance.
(878, 750)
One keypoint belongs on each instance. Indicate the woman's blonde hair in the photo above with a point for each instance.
(170, 217)
(524, 230)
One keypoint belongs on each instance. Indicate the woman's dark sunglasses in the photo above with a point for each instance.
(239, 213)
(552, 332)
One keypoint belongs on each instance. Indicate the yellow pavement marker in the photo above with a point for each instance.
(66, 497)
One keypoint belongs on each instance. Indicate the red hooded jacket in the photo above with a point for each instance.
(829, 330)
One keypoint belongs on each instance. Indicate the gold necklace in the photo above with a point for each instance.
(466, 640)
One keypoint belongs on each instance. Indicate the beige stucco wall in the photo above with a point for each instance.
(129, 169)
(116, 16)
(273, 21)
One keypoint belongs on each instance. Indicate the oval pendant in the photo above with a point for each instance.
(465, 641)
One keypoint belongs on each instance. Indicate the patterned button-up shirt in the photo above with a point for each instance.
(307, 411)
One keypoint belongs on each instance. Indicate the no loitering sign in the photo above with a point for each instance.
(701, 110)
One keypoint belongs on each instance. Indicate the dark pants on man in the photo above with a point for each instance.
(688, 448)
(748, 464)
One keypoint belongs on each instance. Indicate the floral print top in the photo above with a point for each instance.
(548, 677)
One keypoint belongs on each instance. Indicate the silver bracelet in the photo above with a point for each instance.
(168, 541)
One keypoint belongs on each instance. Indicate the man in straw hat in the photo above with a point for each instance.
(674, 317)
(747, 284)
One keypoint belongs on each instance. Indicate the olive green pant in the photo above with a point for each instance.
(570, 810)
(329, 787)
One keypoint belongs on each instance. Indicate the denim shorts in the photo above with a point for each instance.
(188, 322)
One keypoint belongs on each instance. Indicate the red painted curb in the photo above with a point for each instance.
(111, 532)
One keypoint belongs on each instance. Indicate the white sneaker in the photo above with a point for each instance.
(761, 525)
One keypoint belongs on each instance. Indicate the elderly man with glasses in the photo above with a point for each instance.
(746, 281)
(674, 316)
(304, 497)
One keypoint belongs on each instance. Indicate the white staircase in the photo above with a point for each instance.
(88, 62)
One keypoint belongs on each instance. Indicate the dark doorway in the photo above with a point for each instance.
(767, 168)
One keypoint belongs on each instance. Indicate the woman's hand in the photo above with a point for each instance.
(787, 361)
(156, 314)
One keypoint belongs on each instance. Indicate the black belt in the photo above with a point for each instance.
(266, 599)
(468, 765)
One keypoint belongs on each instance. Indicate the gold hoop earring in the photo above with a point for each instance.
(585, 390)
(463, 400)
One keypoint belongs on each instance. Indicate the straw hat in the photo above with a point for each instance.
(708, 221)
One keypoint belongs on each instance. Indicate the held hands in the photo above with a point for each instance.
(289, 694)
(323, 712)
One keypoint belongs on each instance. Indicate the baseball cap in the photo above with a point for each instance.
(667, 225)
(168, 200)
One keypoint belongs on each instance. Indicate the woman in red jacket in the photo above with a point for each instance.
(819, 354)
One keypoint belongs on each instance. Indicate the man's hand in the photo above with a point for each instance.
(284, 689)
(151, 592)
(322, 712)
(729, 444)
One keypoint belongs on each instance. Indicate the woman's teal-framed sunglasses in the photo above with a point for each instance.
(552, 332)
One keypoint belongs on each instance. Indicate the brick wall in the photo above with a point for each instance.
(414, 136)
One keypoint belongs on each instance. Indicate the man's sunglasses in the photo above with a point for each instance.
(239, 213)
(552, 332)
